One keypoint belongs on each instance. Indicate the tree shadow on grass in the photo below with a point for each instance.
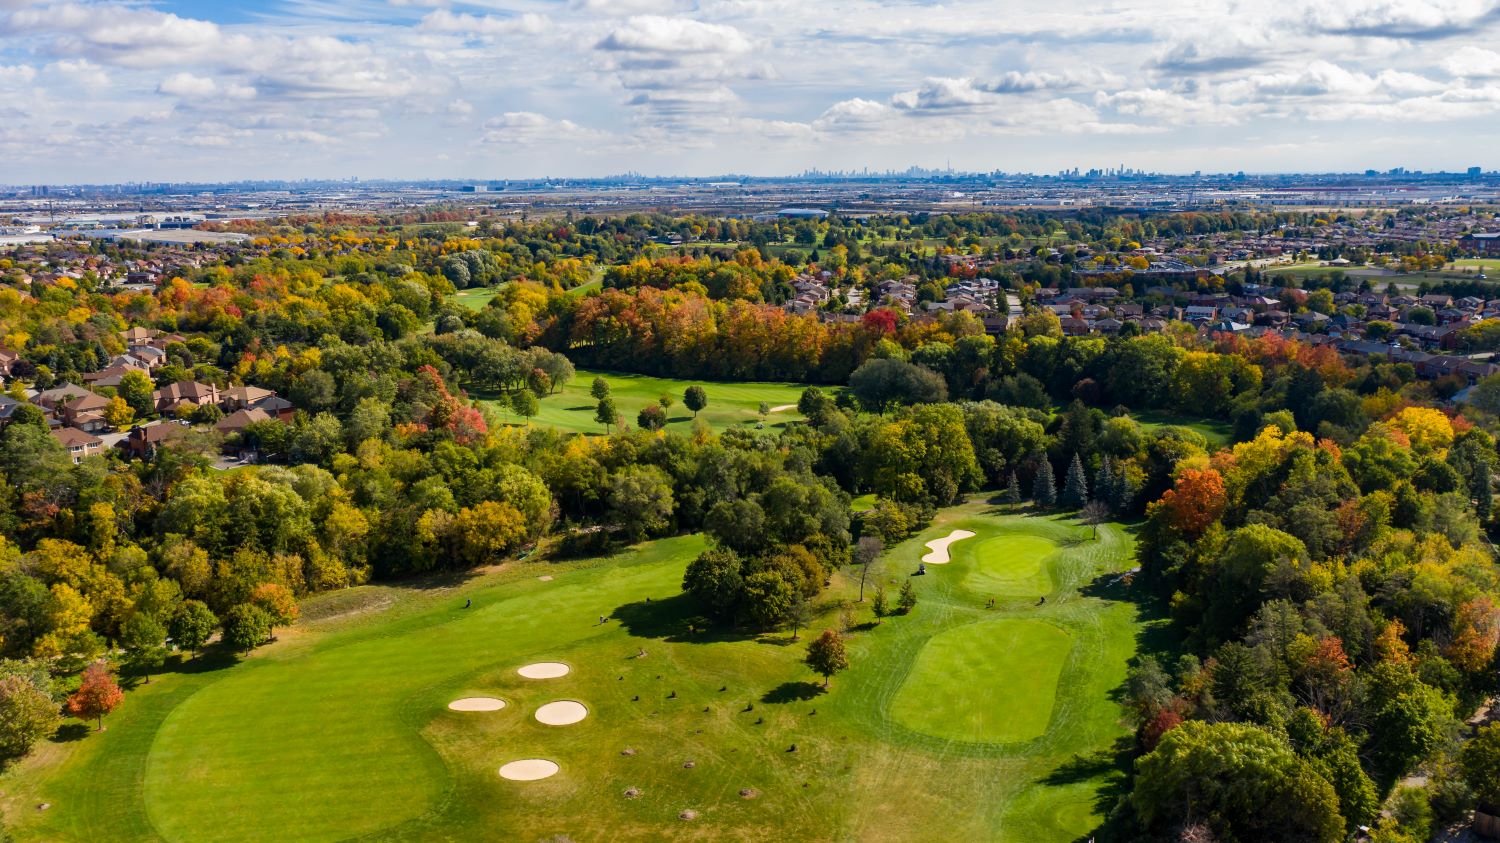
(70, 732)
(676, 619)
(790, 692)
(1111, 769)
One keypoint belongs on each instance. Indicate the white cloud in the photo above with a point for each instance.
(657, 34)
(189, 86)
(445, 21)
(528, 127)
(1474, 62)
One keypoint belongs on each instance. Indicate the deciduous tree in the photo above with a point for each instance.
(826, 655)
(97, 695)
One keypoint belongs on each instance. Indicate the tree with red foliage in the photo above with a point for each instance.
(881, 320)
(1164, 721)
(1195, 502)
(96, 696)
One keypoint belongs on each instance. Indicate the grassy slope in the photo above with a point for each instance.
(340, 729)
(729, 404)
(1218, 433)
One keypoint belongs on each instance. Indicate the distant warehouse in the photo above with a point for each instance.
(171, 237)
(1481, 244)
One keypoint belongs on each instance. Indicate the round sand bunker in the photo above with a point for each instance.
(477, 704)
(529, 770)
(561, 713)
(939, 547)
(544, 670)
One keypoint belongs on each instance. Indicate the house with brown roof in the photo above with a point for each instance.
(169, 397)
(78, 443)
(144, 441)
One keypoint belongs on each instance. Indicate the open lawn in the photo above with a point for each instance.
(475, 298)
(957, 722)
(1218, 433)
(729, 404)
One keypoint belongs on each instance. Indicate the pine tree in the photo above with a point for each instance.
(1076, 490)
(1044, 490)
(1120, 494)
(1012, 493)
(1104, 481)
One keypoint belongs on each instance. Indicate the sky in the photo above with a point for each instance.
(199, 90)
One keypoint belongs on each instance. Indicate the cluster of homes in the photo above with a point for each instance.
(76, 414)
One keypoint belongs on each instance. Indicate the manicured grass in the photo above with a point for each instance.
(341, 730)
(992, 681)
(1218, 433)
(475, 298)
(729, 404)
(1010, 564)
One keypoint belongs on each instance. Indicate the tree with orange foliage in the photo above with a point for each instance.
(277, 601)
(1476, 633)
(97, 696)
(1196, 501)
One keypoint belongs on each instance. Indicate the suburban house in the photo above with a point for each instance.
(78, 443)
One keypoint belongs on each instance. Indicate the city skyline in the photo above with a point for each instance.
(111, 91)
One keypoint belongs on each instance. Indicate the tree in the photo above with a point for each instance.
(278, 602)
(665, 401)
(877, 602)
(145, 642)
(1012, 493)
(885, 382)
(599, 389)
(651, 417)
(193, 625)
(716, 578)
(1243, 782)
(768, 598)
(28, 711)
(640, 500)
(119, 414)
(1480, 760)
(524, 404)
(1094, 513)
(764, 410)
(866, 551)
(695, 399)
(97, 695)
(800, 615)
(606, 413)
(1076, 489)
(246, 627)
(136, 388)
(1044, 488)
(826, 655)
(907, 600)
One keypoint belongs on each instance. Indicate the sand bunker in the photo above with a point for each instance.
(782, 408)
(529, 770)
(477, 704)
(561, 713)
(544, 670)
(939, 547)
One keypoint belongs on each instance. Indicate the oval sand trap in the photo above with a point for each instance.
(939, 554)
(477, 704)
(544, 670)
(561, 713)
(529, 770)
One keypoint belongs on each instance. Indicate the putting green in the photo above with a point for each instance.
(988, 682)
(1008, 564)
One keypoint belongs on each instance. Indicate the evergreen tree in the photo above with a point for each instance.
(1012, 493)
(1044, 490)
(1076, 490)
(1120, 494)
(1104, 482)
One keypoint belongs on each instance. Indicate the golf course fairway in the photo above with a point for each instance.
(982, 714)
